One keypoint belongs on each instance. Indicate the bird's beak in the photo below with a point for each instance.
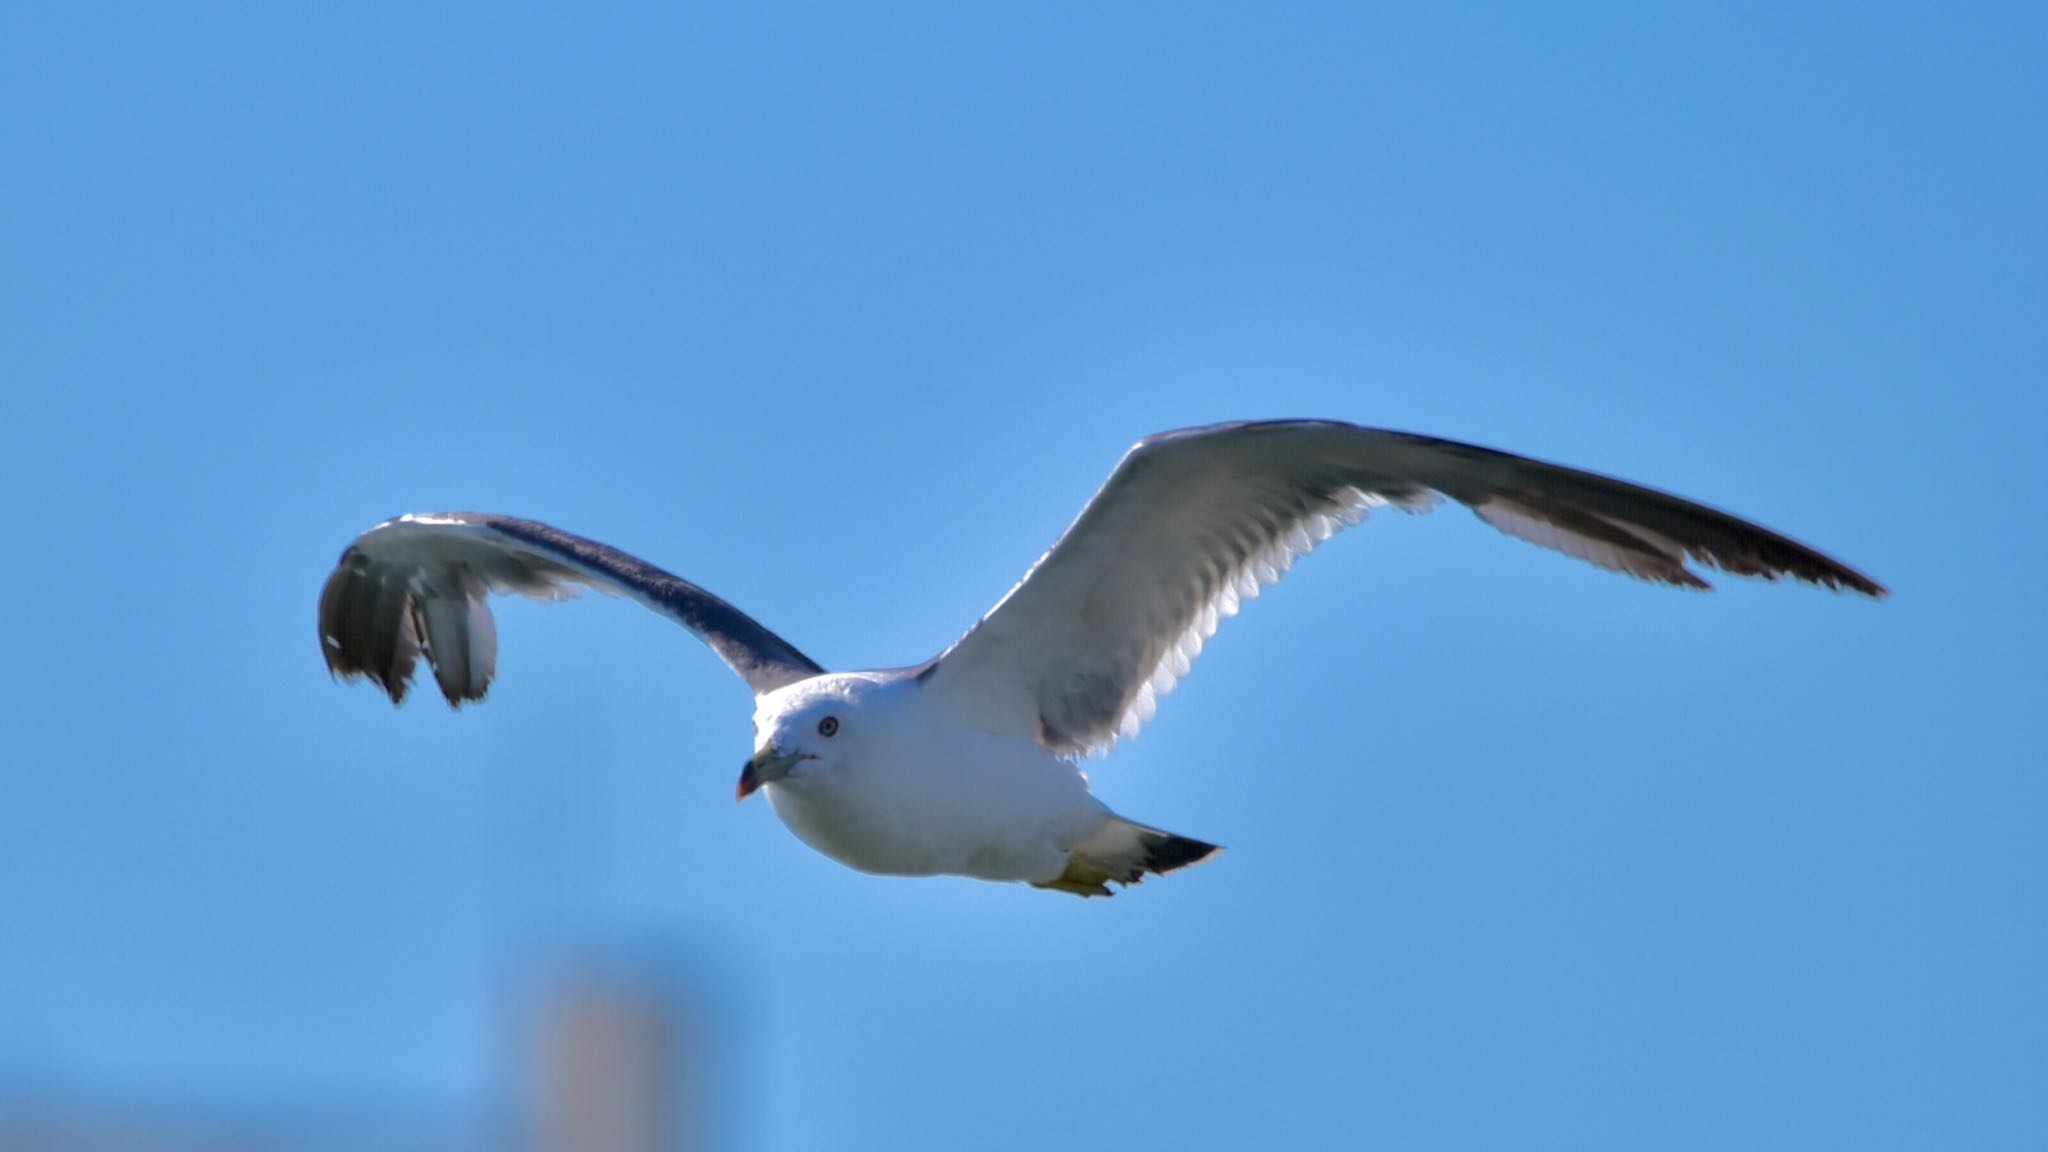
(765, 767)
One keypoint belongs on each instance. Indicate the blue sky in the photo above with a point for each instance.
(842, 312)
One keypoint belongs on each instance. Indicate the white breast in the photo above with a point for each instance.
(928, 794)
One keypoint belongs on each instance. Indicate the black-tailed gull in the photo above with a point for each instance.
(968, 764)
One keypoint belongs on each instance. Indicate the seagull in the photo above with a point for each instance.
(970, 763)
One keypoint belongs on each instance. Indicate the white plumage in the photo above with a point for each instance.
(967, 764)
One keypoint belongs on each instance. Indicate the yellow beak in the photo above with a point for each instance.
(765, 767)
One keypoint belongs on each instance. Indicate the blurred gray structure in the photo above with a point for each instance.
(610, 1069)
(606, 1059)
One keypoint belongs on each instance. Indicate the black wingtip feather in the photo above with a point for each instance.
(1165, 851)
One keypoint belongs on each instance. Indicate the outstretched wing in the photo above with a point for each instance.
(419, 586)
(1193, 522)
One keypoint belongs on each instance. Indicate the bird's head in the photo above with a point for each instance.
(804, 730)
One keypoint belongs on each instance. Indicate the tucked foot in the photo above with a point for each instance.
(1122, 853)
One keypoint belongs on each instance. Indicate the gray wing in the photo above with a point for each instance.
(1193, 522)
(418, 586)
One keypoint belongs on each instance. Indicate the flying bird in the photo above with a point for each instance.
(969, 764)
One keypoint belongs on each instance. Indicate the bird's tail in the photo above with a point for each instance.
(1124, 852)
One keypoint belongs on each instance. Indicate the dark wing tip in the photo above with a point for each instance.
(1769, 556)
(1651, 533)
(1842, 576)
(367, 626)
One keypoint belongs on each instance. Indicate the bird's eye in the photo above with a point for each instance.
(828, 725)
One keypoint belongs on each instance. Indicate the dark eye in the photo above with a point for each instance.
(828, 725)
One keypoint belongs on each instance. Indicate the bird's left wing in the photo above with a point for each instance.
(418, 586)
(1193, 522)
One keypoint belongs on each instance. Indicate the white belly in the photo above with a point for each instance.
(986, 808)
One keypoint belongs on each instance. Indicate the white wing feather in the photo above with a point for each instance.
(1193, 523)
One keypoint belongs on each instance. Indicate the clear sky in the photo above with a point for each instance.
(842, 311)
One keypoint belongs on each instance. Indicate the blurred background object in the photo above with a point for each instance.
(614, 1058)
(604, 1058)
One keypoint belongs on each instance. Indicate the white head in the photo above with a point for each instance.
(809, 729)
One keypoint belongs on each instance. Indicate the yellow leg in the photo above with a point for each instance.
(1083, 877)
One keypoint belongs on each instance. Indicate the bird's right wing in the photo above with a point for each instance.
(418, 586)
(1192, 522)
